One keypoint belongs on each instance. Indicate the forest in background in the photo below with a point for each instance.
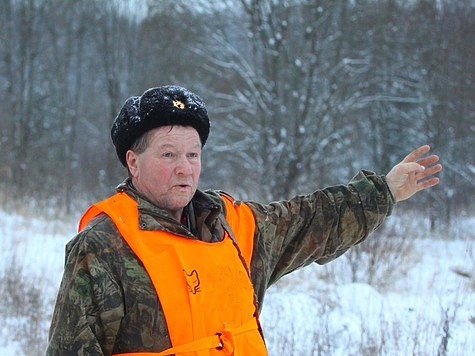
(301, 94)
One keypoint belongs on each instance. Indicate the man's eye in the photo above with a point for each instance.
(168, 155)
(193, 155)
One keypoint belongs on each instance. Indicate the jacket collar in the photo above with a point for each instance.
(200, 217)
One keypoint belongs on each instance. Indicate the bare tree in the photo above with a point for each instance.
(21, 41)
(282, 115)
(301, 93)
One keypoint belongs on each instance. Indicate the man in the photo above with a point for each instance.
(164, 268)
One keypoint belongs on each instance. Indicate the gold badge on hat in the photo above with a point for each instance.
(178, 104)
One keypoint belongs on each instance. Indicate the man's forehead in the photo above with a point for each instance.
(172, 135)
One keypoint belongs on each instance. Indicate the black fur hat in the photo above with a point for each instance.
(161, 106)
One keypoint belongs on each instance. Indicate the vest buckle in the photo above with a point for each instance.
(220, 345)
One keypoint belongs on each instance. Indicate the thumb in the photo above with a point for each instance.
(404, 168)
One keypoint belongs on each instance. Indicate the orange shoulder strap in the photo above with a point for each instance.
(90, 213)
(240, 218)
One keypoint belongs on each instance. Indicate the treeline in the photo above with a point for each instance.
(301, 94)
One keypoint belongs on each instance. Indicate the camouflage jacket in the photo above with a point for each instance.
(107, 303)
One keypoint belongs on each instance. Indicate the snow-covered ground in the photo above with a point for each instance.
(431, 311)
(427, 308)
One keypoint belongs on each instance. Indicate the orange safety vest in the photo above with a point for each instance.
(204, 288)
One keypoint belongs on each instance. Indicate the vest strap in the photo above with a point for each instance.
(223, 340)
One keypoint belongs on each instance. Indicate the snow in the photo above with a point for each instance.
(408, 317)
(427, 310)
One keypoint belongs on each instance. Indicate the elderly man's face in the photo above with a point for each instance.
(167, 172)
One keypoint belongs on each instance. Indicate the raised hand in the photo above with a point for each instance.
(413, 173)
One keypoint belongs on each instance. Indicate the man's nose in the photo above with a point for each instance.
(183, 166)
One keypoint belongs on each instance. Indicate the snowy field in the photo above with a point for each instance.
(421, 299)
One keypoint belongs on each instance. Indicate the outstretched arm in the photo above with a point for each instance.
(413, 173)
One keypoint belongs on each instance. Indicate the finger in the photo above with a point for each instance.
(428, 183)
(414, 155)
(428, 161)
(429, 171)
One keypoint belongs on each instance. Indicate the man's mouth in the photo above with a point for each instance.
(182, 186)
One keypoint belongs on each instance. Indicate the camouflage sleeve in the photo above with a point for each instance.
(89, 306)
(318, 227)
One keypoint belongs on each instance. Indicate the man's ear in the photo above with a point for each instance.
(131, 159)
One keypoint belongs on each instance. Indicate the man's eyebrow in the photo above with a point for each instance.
(170, 145)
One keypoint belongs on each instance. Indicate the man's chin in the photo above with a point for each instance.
(182, 200)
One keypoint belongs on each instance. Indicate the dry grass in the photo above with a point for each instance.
(25, 310)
